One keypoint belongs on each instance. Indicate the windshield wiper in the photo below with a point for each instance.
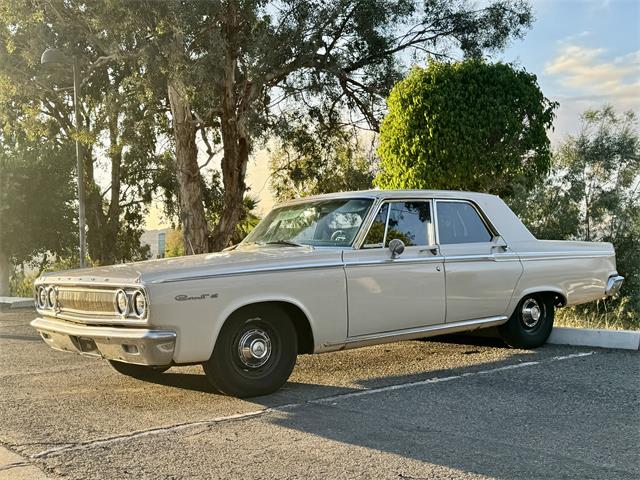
(284, 242)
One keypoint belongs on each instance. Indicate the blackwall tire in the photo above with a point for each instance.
(531, 322)
(254, 354)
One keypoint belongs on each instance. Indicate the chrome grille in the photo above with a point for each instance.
(90, 305)
(86, 300)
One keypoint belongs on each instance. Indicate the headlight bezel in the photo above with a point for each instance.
(139, 312)
(122, 294)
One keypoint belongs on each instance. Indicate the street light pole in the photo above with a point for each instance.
(56, 56)
(80, 166)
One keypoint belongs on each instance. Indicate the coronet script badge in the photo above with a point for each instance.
(203, 296)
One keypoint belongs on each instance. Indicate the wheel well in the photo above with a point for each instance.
(297, 316)
(558, 299)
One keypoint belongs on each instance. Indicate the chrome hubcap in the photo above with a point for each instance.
(531, 313)
(254, 348)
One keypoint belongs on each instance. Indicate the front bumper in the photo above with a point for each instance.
(131, 345)
(613, 285)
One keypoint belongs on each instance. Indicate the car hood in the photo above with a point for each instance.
(240, 260)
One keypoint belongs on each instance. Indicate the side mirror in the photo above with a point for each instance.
(396, 247)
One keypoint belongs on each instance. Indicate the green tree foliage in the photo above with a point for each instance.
(121, 113)
(333, 163)
(593, 194)
(466, 125)
(37, 217)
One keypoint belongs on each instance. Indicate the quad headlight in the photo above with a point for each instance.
(52, 298)
(121, 302)
(139, 304)
(41, 297)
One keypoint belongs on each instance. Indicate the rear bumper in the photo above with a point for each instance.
(613, 285)
(130, 345)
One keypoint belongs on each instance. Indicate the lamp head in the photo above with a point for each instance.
(54, 56)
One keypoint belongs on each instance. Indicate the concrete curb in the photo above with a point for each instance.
(15, 467)
(13, 303)
(591, 337)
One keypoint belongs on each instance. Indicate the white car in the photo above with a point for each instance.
(321, 274)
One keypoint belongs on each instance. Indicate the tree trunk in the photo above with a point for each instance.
(101, 242)
(234, 168)
(235, 141)
(5, 268)
(194, 224)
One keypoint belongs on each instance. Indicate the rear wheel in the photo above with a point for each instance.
(254, 354)
(531, 323)
(137, 371)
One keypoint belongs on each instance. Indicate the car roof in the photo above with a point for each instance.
(375, 194)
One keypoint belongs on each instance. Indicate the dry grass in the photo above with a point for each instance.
(619, 318)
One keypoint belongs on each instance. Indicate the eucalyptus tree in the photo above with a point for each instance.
(232, 73)
(238, 72)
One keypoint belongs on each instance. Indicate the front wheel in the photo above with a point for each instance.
(254, 354)
(531, 323)
(137, 371)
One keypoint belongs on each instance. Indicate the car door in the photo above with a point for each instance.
(386, 294)
(481, 273)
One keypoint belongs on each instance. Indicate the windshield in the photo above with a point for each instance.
(323, 223)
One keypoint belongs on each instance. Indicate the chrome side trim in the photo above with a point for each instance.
(452, 258)
(492, 257)
(419, 332)
(392, 261)
(566, 255)
(249, 271)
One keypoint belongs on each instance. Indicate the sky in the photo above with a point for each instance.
(585, 53)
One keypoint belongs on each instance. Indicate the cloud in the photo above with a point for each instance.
(587, 72)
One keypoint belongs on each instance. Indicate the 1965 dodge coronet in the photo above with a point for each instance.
(321, 274)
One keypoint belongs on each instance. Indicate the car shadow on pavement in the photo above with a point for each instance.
(186, 381)
(197, 382)
(482, 419)
(483, 338)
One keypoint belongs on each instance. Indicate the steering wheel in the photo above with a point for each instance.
(338, 236)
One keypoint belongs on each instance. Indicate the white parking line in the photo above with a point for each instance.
(255, 413)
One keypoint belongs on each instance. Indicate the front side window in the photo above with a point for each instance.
(459, 222)
(375, 236)
(407, 221)
(326, 223)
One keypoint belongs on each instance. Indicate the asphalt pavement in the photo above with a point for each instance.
(457, 407)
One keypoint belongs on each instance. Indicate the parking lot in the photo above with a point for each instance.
(460, 407)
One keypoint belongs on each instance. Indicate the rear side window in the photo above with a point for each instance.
(459, 222)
